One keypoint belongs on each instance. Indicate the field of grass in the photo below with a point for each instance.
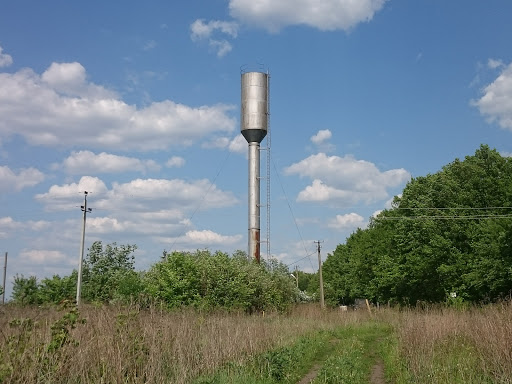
(127, 345)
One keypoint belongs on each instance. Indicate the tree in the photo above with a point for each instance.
(108, 272)
(58, 288)
(448, 232)
(25, 290)
(205, 280)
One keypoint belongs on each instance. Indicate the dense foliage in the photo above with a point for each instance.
(450, 233)
(206, 280)
(199, 279)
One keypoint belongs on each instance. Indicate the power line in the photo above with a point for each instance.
(454, 217)
(450, 208)
(298, 261)
(291, 212)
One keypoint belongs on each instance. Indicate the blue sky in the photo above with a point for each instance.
(139, 105)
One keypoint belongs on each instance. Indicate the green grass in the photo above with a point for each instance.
(355, 354)
(346, 356)
(455, 360)
(283, 365)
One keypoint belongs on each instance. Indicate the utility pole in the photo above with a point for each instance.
(322, 303)
(5, 274)
(79, 282)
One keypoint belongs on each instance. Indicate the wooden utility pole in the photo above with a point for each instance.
(322, 303)
(79, 282)
(5, 274)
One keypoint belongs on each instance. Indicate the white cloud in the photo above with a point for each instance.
(86, 162)
(496, 102)
(238, 145)
(221, 46)
(345, 179)
(493, 64)
(348, 221)
(321, 140)
(10, 181)
(149, 45)
(326, 15)
(5, 59)
(38, 256)
(506, 154)
(321, 136)
(140, 195)
(205, 238)
(8, 226)
(60, 108)
(377, 213)
(175, 161)
(218, 142)
(200, 30)
(146, 224)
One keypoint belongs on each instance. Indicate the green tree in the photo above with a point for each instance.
(25, 290)
(108, 273)
(56, 289)
(205, 280)
(448, 232)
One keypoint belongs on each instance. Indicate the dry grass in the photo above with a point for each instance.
(456, 346)
(126, 345)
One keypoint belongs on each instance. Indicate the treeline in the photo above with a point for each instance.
(448, 237)
(198, 279)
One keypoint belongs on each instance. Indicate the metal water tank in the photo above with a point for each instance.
(254, 108)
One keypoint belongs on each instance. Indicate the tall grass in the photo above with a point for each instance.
(128, 345)
(446, 345)
(119, 344)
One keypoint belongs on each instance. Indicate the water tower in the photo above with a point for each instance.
(253, 126)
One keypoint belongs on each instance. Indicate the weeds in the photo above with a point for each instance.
(123, 344)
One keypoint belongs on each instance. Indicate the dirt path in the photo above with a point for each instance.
(377, 376)
(311, 375)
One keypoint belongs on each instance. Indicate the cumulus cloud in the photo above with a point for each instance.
(238, 144)
(142, 224)
(194, 239)
(60, 108)
(496, 101)
(8, 225)
(201, 30)
(140, 195)
(348, 221)
(176, 162)
(493, 64)
(345, 179)
(321, 136)
(326, 15)
(321, 140)
(204, 31)
(39, 256)
(11, 181)
(87, 162)
(5, 59)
